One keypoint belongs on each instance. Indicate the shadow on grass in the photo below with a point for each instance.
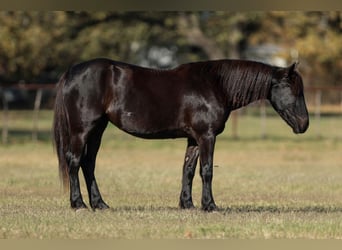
(238, 209)
(281, 209)
(143, 209)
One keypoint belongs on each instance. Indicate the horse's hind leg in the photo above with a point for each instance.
(189, 168)
(73, 158)
(88, 164)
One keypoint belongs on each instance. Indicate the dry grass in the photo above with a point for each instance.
(286, 186)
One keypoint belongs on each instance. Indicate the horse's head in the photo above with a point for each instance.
(287, 98)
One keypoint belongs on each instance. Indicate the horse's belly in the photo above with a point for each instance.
(150, 126)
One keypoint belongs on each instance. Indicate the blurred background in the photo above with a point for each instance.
(268, 182)
(37, 47)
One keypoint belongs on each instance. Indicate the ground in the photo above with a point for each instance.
(285, 186)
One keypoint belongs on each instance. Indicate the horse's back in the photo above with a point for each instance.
(144, 102)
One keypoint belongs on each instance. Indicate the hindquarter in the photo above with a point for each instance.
(83, 96)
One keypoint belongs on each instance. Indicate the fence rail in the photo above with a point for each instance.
(314, 96)
(37, 104)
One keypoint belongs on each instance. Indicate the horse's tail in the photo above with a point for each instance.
(61, 132)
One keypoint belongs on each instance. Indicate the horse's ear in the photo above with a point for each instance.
(292, 68)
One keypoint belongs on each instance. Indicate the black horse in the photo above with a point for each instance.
(192, 101)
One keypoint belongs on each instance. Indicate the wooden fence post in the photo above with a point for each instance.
(37, 103)
(234, 117)
(5, 118)
(318, 102)
(263, 119)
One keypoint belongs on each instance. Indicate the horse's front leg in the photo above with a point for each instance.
(189, 167)
(206, 148)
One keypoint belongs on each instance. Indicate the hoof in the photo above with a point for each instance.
(78, 205)
(100, 205)
(209, 208)
(186, 205)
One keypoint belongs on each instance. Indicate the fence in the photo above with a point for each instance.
(37, 104)
(319, 100)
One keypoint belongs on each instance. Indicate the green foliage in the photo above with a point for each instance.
(30, 43)
(315, 35)
(39, 46)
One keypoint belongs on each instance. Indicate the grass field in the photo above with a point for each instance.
(284, 186)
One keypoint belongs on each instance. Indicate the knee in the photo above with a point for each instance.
(72, 160)
(206, 172)
(189, 172)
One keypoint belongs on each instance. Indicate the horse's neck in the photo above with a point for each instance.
(243, 90)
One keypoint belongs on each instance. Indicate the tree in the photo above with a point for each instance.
(315, 37)
(28, 42)
(39, 46)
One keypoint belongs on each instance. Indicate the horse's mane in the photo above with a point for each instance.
(244, 81)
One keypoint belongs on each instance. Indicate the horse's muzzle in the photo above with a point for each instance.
(302, 125)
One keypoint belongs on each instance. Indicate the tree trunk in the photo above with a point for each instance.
(189, 26)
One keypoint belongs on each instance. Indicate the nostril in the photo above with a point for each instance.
(304, 124)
